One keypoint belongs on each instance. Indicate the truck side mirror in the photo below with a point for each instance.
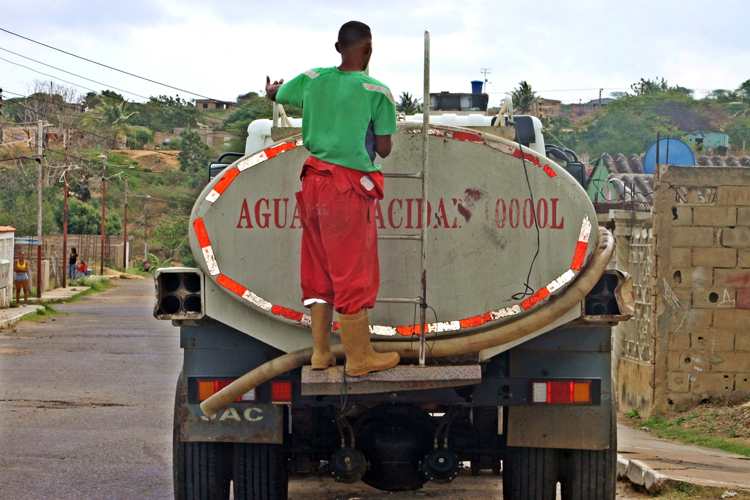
(525, 134)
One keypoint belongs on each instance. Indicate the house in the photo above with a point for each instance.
(708, 140)
(7, 237)
(214, 104)
(582, 109)
(547, 108)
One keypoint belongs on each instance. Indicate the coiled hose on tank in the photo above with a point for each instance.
(446, 347)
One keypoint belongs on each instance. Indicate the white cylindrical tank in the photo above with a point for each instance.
(259, 133)
(453, 120)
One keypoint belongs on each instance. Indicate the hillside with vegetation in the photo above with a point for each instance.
(156, 146)
(629, 123)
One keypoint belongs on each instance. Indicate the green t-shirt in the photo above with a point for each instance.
(341, 113)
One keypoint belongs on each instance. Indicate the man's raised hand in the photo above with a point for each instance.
(272, 88)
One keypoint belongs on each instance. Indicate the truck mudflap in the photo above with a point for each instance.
(238, 423)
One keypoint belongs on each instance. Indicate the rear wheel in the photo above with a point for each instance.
(530, 474)
(260, 472)
(201, 470)
(591, 474)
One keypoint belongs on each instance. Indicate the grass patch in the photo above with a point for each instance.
(674, 429)
(138, 272)
(685, 491)
(43, 314)
(94, 284)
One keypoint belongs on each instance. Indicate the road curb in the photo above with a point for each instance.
(640, 474)
(12, 319)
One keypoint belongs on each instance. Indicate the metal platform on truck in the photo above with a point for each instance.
(401, 378)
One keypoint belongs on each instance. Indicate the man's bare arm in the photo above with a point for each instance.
(383, 145)
(273, 88)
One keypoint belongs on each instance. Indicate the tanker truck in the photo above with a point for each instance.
(494, 244)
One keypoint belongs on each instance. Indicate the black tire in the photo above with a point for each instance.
(530, 474)
(260, 472)
(592, 474)
(201, 470)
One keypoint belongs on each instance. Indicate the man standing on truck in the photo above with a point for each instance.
(348, 117)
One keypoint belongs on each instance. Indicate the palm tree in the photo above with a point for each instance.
(408, 104)
(523, 97)
(112, 115)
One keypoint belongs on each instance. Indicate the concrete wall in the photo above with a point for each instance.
(689, 340)
(634, 340)
(6, 267)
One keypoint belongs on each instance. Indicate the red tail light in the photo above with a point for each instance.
(561, 392)
(209, 387)
(281, 391)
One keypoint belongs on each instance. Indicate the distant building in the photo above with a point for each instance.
(547, 108)
(708, 141)
(213, 104)
(580, 110)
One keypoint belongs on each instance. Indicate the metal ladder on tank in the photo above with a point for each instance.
(421, 236)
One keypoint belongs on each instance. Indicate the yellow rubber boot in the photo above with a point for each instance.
(320, 322)
(361, 358)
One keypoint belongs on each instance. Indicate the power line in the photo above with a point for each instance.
(104, 65)
(6, 91)
(74, 74)
(46, 74)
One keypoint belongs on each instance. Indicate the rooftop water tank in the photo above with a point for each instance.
(671, 152)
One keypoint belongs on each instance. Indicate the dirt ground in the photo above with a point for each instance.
(152, 159)
(465, 487)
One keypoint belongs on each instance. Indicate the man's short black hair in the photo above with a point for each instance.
(352, 33)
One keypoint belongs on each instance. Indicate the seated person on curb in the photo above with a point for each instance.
(347, 118)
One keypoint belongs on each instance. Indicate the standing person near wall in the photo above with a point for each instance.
(22, 277)
(72, 263)
(348, 117)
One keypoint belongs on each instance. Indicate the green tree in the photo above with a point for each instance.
(723, 95)
(647, 86)
(744, 90)
(111, 115)
(170, 237)
(523, 97)
(194, 154)
(139, 136)
(739, 132)
(407, 104)
(165, 113)
(85, 218)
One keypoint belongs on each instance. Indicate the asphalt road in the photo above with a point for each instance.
(86, 408)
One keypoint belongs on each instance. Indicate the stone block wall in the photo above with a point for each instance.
(692, 296)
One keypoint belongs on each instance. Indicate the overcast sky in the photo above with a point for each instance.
(225, 48)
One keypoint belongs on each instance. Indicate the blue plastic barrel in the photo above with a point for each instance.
(671, 152)
(476, 86)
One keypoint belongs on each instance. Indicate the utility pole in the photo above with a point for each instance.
(485, 72)
(600, 98)
(65, 213)
(65, 231)
(39, 199)
(125, 229)
(145, 229)
(104, 212)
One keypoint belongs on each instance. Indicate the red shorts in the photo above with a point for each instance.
(339, 261)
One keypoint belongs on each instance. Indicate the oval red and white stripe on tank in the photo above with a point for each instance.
(228, 176)
(201, 233)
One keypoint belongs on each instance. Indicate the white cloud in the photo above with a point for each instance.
(226, 48)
